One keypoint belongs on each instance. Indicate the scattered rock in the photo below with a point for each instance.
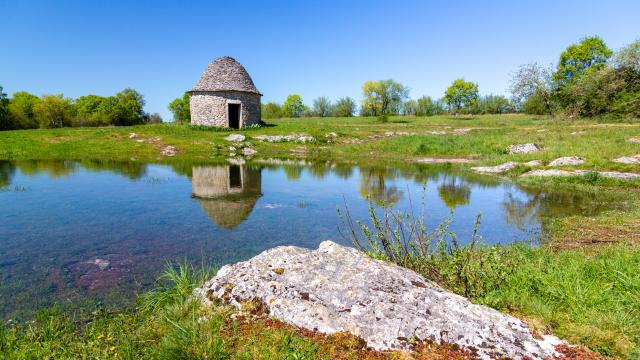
(232, 149)
(567, 161)
(581, 132)
(635, 159)
(498, 169)
(444, 161)
(550, 172)
(634, 140)
(102, 264)
(169, 151)
(133, 135)
(523, 148)
(339, 289)
(235, 138)
(619, 175)
(607, 174)
(248, 151)
(438, 132)
(541, 130)
(532, 163)
(461, 131)
(331, 135)
(301, 138)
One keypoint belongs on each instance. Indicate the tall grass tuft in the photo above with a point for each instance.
(176, 284)
(469, 268)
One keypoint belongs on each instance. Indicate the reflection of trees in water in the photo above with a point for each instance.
(373, 186)
(130, 169)
(227, 193)
(7, 170)
(61, 168)
(454, 192)
(543, 206)
(293, 172)
(53, 168)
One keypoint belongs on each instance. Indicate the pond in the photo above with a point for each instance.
(87, 233)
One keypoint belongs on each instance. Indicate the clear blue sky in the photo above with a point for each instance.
(314, 48)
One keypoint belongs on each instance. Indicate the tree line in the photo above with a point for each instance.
(27, 111)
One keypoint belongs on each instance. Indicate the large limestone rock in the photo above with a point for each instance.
(561, 173)
(567, 161)
(502, 168)
(523, 148)
(336, 288)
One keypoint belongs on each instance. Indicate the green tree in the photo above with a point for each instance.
(461, 95)
(128, 109)
(54, 111)
(154, 118)
(344, 107)
(271, 110)
(532, 89)
(322, 106)
(410, 107)
(180, 109)
(381, 98)
(628, 57)
(21, 110)
(426, 106)
(493, 104)
(6, 122)
(293, 106)
(589, 54)
(93, 110)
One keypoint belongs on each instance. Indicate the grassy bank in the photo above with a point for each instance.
(482, 138)
(588, 296)
(588, 299)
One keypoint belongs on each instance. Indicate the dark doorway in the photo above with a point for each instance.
(235, 179)
(234, 116)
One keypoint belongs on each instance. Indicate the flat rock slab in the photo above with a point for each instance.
(635, 159)
(523, 148)
(300, 138)
(607, 174)
(499, 169)
(235, 138)
(567, 161)
(336, 288)
(444, 161)
(634, 140)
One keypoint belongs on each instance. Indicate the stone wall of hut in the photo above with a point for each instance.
(209, 108)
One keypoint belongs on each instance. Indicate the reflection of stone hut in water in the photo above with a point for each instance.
(227, 193)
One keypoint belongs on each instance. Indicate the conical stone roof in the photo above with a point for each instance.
(225, 74)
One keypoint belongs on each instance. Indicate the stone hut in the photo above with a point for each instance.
(225, 96)
(227, 193)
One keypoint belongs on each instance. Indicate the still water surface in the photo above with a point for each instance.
(95, 233)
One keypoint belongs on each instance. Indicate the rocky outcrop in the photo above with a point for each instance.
(607, 174)
(502, 168)
(336, 289)
(523, 148)
(235, 138)
(567, 161)
(635, 159)
(299, 138)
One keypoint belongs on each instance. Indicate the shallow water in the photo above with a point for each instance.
(95, 233)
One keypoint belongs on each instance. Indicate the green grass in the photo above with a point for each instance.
(358, 139)
(586, 297)
(167, 324)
